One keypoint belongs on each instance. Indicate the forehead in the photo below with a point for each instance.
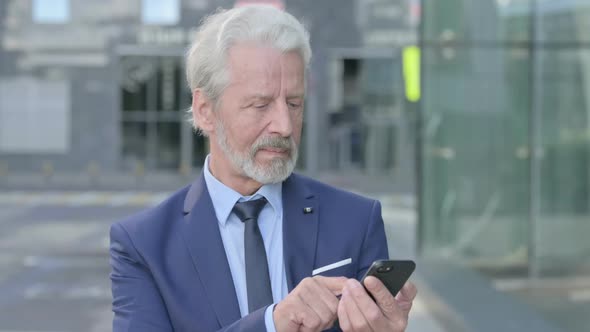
(249, 62)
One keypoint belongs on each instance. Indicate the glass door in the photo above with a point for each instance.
(154, 98)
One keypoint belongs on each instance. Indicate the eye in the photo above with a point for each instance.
(260, 106)
(294, 106)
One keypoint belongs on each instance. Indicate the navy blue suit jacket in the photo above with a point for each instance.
(169, 270)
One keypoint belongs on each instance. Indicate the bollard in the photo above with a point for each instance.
(47, 170)
(139, 172)
(3, 172)
(93, 170)
(184, 170)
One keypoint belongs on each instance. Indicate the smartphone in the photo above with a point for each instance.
(392, 273)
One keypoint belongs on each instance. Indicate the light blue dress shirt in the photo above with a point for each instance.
(270, 222)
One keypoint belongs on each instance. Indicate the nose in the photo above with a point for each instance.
(281, 122)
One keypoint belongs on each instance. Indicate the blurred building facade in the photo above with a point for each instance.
(101, 84)
(505, 135)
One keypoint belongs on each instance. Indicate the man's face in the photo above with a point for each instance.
(259, 115)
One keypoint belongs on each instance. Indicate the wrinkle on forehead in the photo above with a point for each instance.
(272, 72)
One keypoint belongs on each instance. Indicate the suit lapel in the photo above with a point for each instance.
(202, 237)
(300, 230)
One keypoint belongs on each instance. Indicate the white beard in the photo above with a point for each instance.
(279, 168)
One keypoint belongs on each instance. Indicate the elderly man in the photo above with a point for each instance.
(236, 249)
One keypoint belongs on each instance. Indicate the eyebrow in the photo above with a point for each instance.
(257, 97)
(268, 97)
(299, 95)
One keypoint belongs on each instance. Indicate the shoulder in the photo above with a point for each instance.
(329, 194)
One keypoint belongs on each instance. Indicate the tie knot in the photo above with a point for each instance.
(250, 209)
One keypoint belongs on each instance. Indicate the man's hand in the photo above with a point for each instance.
(311, 306)
(358, 312)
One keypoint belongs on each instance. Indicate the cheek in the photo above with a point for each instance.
(244, 134)
(297, 127)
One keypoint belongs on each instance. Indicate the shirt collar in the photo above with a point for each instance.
(224, 198)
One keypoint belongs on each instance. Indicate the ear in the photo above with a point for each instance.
(202, 108)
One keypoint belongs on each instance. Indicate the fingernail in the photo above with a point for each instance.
(370, 283)
(354, 284)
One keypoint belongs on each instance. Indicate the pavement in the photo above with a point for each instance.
(74, 199)
(54, 256)
(54, 267)
(399, 216)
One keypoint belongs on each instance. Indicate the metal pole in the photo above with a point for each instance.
(420, 227)
(534, 142)
(152, 117)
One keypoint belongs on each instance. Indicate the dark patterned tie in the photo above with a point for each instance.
(257, 279)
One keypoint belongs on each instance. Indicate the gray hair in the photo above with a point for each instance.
(206, 67)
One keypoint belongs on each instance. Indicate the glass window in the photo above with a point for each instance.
(480, 202)
(474, 203)
(51, 11)
(160, 12)
(481, 20)
(564, 21)
(505, 145)
(368, 126)
(134, 134)
(168, 152)
(564, 139)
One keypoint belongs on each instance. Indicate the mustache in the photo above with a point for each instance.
(285, 143)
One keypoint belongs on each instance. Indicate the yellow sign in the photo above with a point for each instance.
(411, 58)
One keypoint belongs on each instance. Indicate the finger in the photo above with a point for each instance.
(343, 319)
(406, 296)
(308, 319)
(334, 284)
(366, 306)
(320, 300)
(407, 293)
(352, 292)
(383, 298)
(331, 289)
